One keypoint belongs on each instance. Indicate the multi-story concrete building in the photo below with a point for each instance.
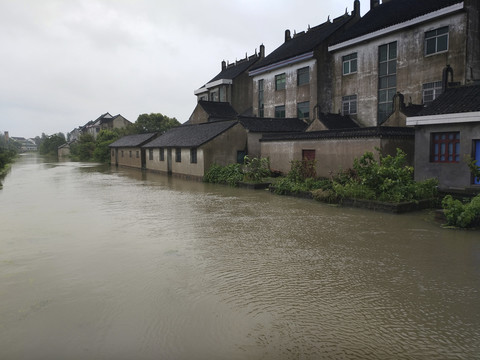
(232, 85)
(409, 47)
(295, 79)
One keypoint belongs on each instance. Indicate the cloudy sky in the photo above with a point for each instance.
(66, 62)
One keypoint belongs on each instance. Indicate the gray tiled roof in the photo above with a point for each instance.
(218, 110)
(391, 13)
(191, 135)
(337, 121)
(460, 99)
(302, 43)
(136, 140)
(236, 69)
(366, 132)
(263, 125)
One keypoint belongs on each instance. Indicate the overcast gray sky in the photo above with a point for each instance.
(66, 62)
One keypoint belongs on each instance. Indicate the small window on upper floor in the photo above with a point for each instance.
(349, 105)
(280, 82)
(431, 91)
(436, 41)
(303, 76)
(214, 96)
(349, 64)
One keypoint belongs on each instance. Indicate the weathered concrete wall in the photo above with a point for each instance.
(413, 68)
(254, 144)
(155, 164)
(223, 149)
(332, 155)
(198, 116)
(126, 157)
(450, 175)
(292, 95)
(241, 93)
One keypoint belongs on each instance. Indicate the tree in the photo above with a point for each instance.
(104, 138)
(153, 123)
(85, 147)
(50, 144)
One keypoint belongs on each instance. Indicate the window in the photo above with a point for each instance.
(137, 154)
(436, 41)
(303, 110)
(260, 99)
(150, 154)
(280, 111)
(387, 80)
(349, 64)
(130, 153)
(214, 96)
(162, 154)
(122, 153)
(445, 147)
(476, 156)
(178, 155)
(193, 156)
(241, 156)
(280, 82)
(349, 105)
(113, 152)
(431, 91)
(303, 76)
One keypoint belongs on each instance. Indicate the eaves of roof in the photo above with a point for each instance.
(395, 15)
(191, 135)
(300, 47)
(136, 140)
(367, 132)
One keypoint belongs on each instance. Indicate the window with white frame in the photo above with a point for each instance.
(349, 64)
(436, 41)
(349, 105)
(280, 82)
(431, 91)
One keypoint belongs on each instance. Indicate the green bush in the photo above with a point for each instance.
(231, 174)
(389, 179)
(460, 214)
(255, 169)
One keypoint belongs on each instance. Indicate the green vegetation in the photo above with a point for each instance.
(389, 180)
(252, 170)
(459, 214)
(255, 169)
(152, 123)
(49, 144)
(230, 175)
(87, 148)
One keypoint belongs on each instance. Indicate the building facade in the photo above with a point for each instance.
(295, 79)
(404, 46)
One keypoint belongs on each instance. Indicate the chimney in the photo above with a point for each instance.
(356, 9)
(262, 51)
(224, 65)
(287, 35)
(374, 3)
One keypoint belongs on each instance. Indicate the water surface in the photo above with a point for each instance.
(105, 263)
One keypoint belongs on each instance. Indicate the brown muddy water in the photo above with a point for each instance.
(105, 263)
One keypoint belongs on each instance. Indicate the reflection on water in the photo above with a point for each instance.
(98, 262)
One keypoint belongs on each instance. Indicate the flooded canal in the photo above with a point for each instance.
(105, 263)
